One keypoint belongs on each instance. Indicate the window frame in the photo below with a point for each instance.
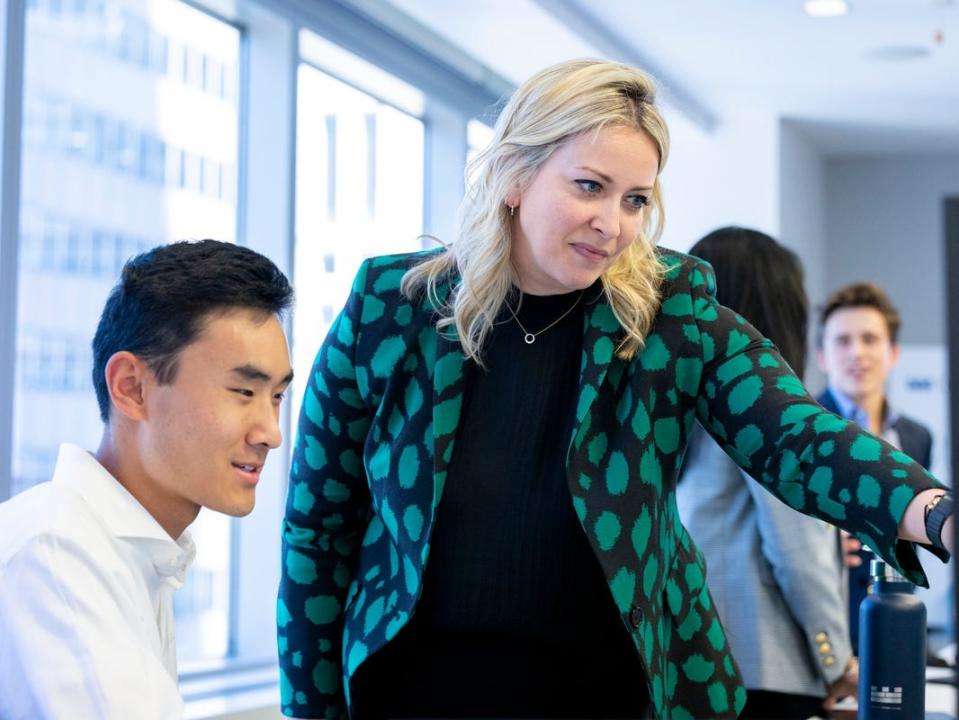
(12, 30)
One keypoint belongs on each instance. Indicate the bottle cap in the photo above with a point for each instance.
(880, 570)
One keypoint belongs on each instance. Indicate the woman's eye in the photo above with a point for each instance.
(638, 201)
(590, 186)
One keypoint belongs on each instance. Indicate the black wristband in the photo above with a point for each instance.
(936, 516)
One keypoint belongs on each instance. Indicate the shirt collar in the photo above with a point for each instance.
(851, 411)
(123, 514)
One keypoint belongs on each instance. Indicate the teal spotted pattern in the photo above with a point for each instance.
(377, 432)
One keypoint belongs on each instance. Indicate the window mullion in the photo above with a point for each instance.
(12, 30)
(266, 218)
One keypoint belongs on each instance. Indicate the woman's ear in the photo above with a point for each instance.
(125, 374)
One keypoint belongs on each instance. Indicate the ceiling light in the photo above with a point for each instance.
(825, 8)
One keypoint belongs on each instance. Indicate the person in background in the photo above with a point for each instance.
(773, 573)
(190, 364)
(858, 347)
(481, 516)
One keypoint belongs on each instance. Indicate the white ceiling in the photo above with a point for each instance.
(716, 57)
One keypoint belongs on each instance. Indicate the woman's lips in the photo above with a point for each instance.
(589, 252)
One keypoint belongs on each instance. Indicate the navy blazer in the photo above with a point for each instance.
(914, 440)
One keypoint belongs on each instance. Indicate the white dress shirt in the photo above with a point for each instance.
(87, 577)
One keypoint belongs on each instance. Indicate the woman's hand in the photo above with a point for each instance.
(913, 524)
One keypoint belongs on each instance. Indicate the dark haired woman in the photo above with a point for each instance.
(774, 573)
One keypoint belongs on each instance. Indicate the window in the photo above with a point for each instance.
(359, 184)
(133, 134)
(96, 188)
(478, 136)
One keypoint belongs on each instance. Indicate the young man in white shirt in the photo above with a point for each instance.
(190, 366)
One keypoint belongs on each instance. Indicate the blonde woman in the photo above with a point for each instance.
(481, 518)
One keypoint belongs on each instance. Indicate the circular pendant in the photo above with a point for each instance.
(529, 338)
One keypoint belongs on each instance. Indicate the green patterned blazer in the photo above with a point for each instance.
(378, 428)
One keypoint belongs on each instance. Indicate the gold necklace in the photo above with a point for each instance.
(529, 337)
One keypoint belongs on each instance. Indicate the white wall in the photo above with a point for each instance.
(727, 176)
(802, 202)
(802, 205)
(885, 224)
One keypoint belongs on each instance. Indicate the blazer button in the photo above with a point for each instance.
(635, 617)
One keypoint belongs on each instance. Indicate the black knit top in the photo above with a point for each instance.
(515, 618)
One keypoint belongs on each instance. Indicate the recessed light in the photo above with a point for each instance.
(825, 8)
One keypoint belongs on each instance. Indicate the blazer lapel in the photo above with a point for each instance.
(829, 402)
(601, 332)
(448, 384)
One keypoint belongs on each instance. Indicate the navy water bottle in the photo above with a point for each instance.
(892, 649)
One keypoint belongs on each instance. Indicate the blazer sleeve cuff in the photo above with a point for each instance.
(831, 654)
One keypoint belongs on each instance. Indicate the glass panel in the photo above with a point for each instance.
(359, 192)
(478, 136)
(124, 148)
(360, 73)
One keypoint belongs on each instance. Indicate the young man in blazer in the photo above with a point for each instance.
(858, 348)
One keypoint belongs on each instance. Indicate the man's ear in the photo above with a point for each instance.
(895, 350)
(125, 375)
(821, 360)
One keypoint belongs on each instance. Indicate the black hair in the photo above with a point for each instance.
(762, 281)
(165, 296)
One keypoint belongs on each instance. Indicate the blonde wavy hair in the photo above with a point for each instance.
(552, 107)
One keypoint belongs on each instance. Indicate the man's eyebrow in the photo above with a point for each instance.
(253, 373)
